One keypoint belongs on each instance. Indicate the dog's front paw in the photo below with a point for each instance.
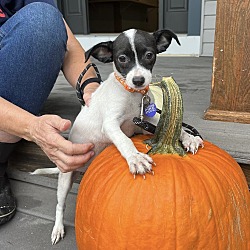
(57, 234)
(140, 163)
(192, 143)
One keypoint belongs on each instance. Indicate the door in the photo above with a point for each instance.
(173, 14)
(75, 12)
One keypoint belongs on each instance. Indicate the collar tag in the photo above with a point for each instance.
(150, 110)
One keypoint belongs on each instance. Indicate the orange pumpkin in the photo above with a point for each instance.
(193, 202)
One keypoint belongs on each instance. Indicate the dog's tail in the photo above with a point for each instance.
(44, 171)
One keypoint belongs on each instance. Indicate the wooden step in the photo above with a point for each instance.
(246, 171)
(28, 157)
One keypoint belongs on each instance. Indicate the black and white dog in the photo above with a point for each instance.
(108, 119)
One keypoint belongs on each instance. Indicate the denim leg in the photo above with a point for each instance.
(32, 49)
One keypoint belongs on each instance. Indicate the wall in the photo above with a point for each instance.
(208, 27)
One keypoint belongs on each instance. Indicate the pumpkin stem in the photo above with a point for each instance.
(168, 130)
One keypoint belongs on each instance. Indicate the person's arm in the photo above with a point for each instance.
(74, 64)
(45, 132)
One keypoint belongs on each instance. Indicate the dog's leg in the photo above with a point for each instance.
(65, 181)
(139, 163)
(190, 143)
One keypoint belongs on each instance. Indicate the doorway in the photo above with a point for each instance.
(174, 15)
(112, 16)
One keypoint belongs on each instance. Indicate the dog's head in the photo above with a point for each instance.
(133, 53)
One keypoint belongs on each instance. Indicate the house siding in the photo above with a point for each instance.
(208, 27)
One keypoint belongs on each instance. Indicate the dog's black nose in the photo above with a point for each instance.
(138, 80)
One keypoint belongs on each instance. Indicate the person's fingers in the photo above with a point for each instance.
(65, 125)
(70, 148)
(68, 163)
(78, 149)
(67, 155)
(58, 123)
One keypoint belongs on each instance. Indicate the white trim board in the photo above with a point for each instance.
(190, 45)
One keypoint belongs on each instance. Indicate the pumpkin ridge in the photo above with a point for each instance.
(156, 194)
(92, 178)
(226, 157)
(228, 167)
(111, 192)
(226, 176)
(93, 171)
(191, 199)
(228, 163)
(227, 193)
(212, 206)
(175, 197)
(208, 201)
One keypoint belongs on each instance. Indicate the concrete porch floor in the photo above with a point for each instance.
(36, 195)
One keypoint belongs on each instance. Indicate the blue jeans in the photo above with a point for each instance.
(32, 48)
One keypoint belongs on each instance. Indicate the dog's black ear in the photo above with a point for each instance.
(163, 39)
(103, 52)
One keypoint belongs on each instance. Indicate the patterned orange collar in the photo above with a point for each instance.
(124, 84)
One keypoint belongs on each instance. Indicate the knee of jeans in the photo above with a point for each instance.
(45, 22)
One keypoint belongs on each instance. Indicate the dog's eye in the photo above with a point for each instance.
(122, 58)
(149, 55)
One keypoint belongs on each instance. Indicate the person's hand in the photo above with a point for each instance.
(88, 91)
(45, 132)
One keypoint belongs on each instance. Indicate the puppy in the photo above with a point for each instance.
(108, 119)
